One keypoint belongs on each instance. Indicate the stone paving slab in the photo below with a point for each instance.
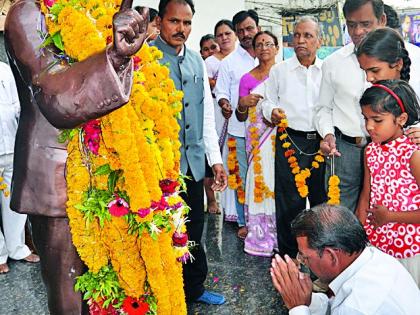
(243, 279)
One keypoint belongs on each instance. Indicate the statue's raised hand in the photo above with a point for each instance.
(130, 31)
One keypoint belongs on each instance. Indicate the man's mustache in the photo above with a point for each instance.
(247, 38)
(179, 35)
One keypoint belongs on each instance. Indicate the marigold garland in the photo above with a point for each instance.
(301, 175)
(333, 190)
(123, 205)
(234, 179)
(261, 190)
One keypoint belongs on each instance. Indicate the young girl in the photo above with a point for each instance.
(390, 200)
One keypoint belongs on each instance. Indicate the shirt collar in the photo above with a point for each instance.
(243, 52)
(349, 49)
(166, 48)
(295, 63)
(351, 270)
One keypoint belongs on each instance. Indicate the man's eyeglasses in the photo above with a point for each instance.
(264, 45)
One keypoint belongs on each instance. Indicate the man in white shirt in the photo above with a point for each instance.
(338, 116)
(197, 134)
(12, 243)
(293, 89)
(232, 68)
(361, 278)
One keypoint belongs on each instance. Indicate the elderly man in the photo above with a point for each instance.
(362, 279)
(197, 134)
(292, 89)
(56, 95)
(231, 70)
(338, 116)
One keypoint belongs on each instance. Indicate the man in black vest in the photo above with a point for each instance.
(197, 135)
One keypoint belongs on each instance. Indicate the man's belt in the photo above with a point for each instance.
(309, 135)
(353, 140)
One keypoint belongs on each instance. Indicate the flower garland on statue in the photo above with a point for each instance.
(261, 190)
(234, 179)
(301, 175)
(126, 216)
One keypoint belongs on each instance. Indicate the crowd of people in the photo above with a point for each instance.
(289, 127)
(275, 134)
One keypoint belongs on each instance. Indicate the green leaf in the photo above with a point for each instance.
(55, 10)
(66, 135)
(112, 180)
(58, 41)
(103, 170)
(48, 41)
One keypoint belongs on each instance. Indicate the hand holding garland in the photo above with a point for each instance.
(245, 102)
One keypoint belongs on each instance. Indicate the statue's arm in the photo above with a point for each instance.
(67, 95)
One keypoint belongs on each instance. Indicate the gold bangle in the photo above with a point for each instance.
(244, 112)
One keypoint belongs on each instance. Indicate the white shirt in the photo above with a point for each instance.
(374, 284)
(212, 65)
(342, 85)
(9, 110)
(231, 70)
(414, 54)
(295, 89)
(210, 137)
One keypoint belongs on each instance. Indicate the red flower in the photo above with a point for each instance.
(96, 308)
(180, 239)
(134, 306)
(118, 207)
(143, 212)
(92, 135)
(136, 61)
(168, 186)
(160, 205)
(49, 3)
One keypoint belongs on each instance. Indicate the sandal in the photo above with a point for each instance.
(4, 268)
(31, 258)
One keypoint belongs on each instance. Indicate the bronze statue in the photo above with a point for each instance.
(53, 98)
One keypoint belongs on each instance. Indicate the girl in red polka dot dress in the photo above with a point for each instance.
(389, 204)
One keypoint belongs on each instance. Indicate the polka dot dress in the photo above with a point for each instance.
(394, 186)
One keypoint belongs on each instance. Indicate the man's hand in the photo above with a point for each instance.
(294, 286)
(328, 146)
(379, 215)
(250, 100)
(130, 31)
(220, 178)
(277, 114)
(414, 135)
(226, 108)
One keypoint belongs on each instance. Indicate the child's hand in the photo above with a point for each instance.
(379, 215)
(361, 214)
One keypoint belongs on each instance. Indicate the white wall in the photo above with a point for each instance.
(207, 14)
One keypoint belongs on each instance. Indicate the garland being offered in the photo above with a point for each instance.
(301, 175)
(235, 181)
(126, 216)
(261, 190)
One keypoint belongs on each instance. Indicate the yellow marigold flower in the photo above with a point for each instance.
(286, 145)
(319, 158)
(283, 136)
(315, 164)
(296, 170)
(292, 159)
